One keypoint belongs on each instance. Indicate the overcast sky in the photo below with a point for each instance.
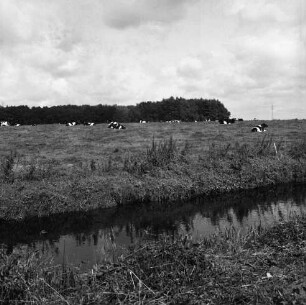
(248, 54)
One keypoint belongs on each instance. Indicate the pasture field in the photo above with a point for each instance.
(71, 146)
(49, 169)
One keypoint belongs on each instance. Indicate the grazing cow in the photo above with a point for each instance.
(71, 124)
(4, 123)
(142, 122)
(260, 128)
(115, 125)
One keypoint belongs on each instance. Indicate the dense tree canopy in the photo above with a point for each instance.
(165, 110)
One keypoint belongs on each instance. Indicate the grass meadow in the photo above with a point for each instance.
(64, 146)
(48, 169)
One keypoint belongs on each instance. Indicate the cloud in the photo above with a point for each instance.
(124, 14)
(264, 10)
(13, 32)
(266, 66)
(190, 67)
(128, 51)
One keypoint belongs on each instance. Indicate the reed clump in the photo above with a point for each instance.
(7, 167)
(159, 155)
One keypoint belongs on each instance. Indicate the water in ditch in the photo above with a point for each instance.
(84, 239)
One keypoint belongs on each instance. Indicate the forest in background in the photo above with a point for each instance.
(166, 110)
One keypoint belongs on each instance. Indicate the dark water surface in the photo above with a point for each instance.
(84, 239)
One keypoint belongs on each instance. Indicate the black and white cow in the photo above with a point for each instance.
(71, 123)
(4, 123)
(174, 121)
(227, 121)
(260, 128)
(88, 123)
(115, 125)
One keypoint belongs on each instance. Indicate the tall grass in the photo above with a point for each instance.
(263, 147)
(7, 166)
(298, 150)
(28, 277)
(162, 153)
(16, 168)
(159, 155)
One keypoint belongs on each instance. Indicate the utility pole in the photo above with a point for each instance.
(272, 112)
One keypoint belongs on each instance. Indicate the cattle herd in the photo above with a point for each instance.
(229, 121)
(78, 123)
(74, 123)
(115, 125)
(259, 128)
(6, 123)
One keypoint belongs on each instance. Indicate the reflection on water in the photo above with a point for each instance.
(88, 238)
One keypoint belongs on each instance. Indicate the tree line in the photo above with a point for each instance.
(166, 110)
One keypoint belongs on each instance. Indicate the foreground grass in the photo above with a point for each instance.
(260, 267)
(53, 169)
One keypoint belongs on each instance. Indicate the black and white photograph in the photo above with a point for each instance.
(152, 152)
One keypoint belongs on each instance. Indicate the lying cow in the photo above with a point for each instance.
(115, 125)
(88, 123)
(227, 121)
(71, 124)
(260, 128)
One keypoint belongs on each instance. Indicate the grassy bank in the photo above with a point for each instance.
(260, 267)
(54, 169)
